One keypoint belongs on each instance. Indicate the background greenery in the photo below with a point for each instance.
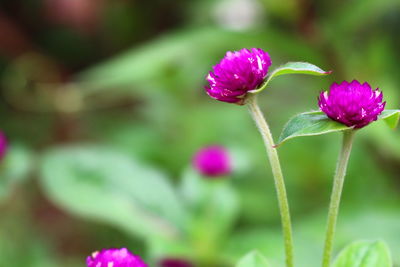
(104, 107)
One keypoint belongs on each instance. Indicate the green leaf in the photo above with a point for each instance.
(262, 240)
(15, 168)
(292, 68)
(391, 117)
(310, 123)
(213, 203)
(253, 259)
(317, 123)
(108, 186)
(364, 254)
(213, 207)
(159, 247)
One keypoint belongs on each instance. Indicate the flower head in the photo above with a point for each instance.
(212, 161)
(114, 258)
(238, 73)
(353, 104)
(174, 262)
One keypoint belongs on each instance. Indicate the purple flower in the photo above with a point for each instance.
(174, 262)
(238, 73)
(212, 161)
(3, 145)
(353, 104)
(114, 257)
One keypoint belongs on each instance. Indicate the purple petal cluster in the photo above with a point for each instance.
(353, 104)
(114, 258)
(212, 161)
(237, 73)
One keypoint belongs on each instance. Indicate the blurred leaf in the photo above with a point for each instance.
(317, 123)
(214, 206)
(159, 247)
(344, 21)
(391, 117)
(15, 168)
(266, 241)
(364, 254)
(253, 259)
(36, 254)
(102, 184)
(177, 50)
(215, 199)
(292, 68)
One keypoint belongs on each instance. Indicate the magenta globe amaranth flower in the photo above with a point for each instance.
(212, 161)
(114, 257)
(353, 104)
(238, 73)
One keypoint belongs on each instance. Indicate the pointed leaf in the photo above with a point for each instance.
(364, 254)
(293, 68)
(253, 259)
(310, 123)
(391, 117)
(317, 123)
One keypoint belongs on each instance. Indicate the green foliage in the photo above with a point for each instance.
(213, 207)
(391, 117)
(15, 168)
(253, 259)
(104, 185)
(215, 201)
(292, 68)
(310, 123)
(364, 254)
(317, 123)
(137, 82)
(174, 54)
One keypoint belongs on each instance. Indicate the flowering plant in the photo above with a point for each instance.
(347, 107)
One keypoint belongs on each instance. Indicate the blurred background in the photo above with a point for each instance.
(103, 107)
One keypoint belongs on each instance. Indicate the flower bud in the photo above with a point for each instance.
(238, 73)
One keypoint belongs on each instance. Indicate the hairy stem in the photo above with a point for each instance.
(278, 177)
(338, 181)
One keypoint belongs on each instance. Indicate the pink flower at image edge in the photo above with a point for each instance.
(3, 145)
(114, 257)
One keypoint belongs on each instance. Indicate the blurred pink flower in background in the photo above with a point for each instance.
(212, 161)
(114, 257)
(3, 145)
(174, 262)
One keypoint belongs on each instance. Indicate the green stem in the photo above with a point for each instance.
(278, 177)
(338, 181)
